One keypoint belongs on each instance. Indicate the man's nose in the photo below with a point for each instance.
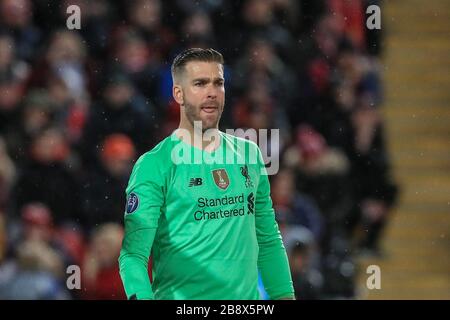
(212, 91)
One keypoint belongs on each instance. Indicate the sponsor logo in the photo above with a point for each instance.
(195, 182)
(224, 207)
(251, 203)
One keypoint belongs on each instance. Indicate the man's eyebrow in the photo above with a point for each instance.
(205, 79)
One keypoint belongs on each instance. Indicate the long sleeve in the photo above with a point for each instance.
(133, 263)
(272, 260)
(145, 197)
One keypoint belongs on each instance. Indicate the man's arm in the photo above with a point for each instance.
(133, 262)
(145, 197)
(272, 260)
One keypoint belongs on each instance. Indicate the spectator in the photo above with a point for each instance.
(262, 64)
(16, 19)
(375, 191)
(133, 57)
(34, 275)
(198, 30)
(101, 279)
(36, 225)
(303, 258)
(147, 17)
(46, 179)
(119, 111)
(37, 113)
(11, 91)
(293, 208)
(3, 239)
(7, 175)
(103, 192)
(11, 67)
(258, 21)
(65, 58)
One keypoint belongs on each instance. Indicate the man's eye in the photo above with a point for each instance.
(198, 84)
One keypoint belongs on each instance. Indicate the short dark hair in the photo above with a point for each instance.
(194, 54)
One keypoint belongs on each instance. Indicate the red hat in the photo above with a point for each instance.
(311, 143)
(36, 214)
(118, 146)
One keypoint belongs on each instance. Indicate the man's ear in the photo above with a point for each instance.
(177, 93)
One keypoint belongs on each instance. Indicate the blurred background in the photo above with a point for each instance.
(364, 121)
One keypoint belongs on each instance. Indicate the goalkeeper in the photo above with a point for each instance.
(208, 226)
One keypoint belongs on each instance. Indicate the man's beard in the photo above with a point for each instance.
(193, 114)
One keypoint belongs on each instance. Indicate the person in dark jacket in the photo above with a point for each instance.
(47, 179)
(102, 191)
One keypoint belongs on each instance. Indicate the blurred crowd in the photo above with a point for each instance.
(78, 107)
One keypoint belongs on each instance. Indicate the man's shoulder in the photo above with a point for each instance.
(238, 141)
(159, 154)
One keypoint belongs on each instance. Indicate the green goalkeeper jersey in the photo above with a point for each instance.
(207, 220)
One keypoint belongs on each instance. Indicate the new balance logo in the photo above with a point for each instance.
(195, 182)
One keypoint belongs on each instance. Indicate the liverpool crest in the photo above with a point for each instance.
(248, 179)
